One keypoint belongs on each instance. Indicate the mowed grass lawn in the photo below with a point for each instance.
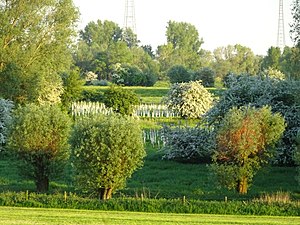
(36, 216)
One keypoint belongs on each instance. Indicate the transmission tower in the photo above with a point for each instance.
(129, 16)
(280, 33)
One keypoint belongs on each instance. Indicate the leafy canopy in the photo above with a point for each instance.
(39, 136)
(35, 40)
(243, 143)
(107, 150)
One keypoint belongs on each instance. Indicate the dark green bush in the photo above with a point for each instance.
(206, 75)
(92, 95)
(120, 100)
(178, 74)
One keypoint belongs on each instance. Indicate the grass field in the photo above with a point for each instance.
(29, 216)
(149, 94)
(167, 179)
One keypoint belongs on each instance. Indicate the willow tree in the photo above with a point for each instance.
(35, 40)
(106, 151)
(39, 136)
(244, 139)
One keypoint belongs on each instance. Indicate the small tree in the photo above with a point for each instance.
(190, 100)
(244, 138)
(178, 74)
(72, 84)
(39, 136)
(6, 108)
(107, 150)
(120, 100)
(206, 75)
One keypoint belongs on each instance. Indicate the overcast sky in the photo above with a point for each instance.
(252, 23)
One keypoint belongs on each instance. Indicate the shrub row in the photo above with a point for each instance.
(72, 201)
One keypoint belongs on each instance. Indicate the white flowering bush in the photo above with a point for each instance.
(189, 100)
(188, 144)
(6, 108)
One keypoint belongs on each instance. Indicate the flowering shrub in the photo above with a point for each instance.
(6, 107)
(281, 95)
(189, 100)
(188, 144)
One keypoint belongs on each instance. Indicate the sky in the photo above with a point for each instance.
(251, 23)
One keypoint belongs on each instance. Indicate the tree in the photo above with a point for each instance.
(121, 100)
(39, 137)
(235, 59)
(190, 100)
(244, 139)
(295, 26)
(107, 150)
(182, 48)
(179, 74)
(35, 42)
(72, 84)
(130, 38)
(206, 75)
(272, 60)
(281, 95)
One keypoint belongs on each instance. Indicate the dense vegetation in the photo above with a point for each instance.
(196, 140)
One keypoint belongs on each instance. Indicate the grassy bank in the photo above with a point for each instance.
(36, 216)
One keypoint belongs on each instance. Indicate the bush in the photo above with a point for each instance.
(190, 100)
(92, 95)
(188, 144)
(178, 74)
(206, 75)
(281, 95)
(106, 150)
(120, 100)
(72, 84)
(39, 136)
(6, 108)
(243, 143)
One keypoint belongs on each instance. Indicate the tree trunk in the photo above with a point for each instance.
(243, 185)
(42, 184)
(105, 193)
(41, 174)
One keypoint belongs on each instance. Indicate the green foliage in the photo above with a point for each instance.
(272, 60)
(243, 141)
(297, 155)
(206, 75)
(35, 47)
(153, 205)
(188, 144)
(190, 100)
(129, 76)
(120, 100)
(295, 26)
(72, 84)
(178, 74)
(6, 108)
(282, 96)
(107, 150)
(182, 48)
(39, 137)
(92, 95)
(235, 59)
